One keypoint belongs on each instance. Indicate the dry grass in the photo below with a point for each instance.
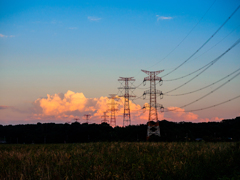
(121, 160)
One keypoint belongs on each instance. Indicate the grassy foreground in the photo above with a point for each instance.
(121, 160)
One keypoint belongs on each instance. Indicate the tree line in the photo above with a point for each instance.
(226, 130)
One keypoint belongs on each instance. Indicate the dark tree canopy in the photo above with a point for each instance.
(226, 130)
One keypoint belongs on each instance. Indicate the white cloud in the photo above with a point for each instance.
(5, 36)
(163, 17)
(93, 18)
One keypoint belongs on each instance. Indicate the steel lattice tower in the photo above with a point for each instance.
(153, 123)
(87, 117)
(126, 113)
(105, 117)
(113, 109)
(76, 119)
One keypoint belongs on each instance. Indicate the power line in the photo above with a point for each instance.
(200, 109)
(182, 39)
(210, 64)
(203, 43)
(200, 56)
(204, 86)
(209, 92)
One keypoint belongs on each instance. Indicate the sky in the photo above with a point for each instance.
(61, 59)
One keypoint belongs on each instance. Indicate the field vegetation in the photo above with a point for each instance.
(121, 160)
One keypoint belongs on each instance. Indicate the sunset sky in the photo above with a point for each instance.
(61, 59)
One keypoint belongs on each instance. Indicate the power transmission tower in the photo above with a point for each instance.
(105, 116)
(126, 113)
(113, 109)
(87, 117)
(76, 119)
(153, 123)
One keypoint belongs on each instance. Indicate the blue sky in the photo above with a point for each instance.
(50, 47)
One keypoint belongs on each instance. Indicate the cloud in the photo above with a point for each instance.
(65, 107)
(93, 18)
(179, 114)
(74, 105)
(5, 36)
(5, 107)
(163, 17)
(213, 119)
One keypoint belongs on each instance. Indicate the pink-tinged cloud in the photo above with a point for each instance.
(65, 107)
(179, 114)
(213, 119)
(5, 107)
(72, 105)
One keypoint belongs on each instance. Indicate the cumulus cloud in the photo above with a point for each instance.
(5, 36)
(65, 107)
(74, 105)
(93, 18)
(163, 17)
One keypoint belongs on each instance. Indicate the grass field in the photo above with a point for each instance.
(121, 160)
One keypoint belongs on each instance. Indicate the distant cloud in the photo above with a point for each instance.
(93, 18)
(72, 28)
(5, 36)
(5, 107)
(163, 17)
(178, 114)
(65, 107)
(213, 119)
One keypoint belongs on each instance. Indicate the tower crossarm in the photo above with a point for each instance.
(126, 87)
(158, 92)
(155, 78)
(127, 96)
(126, 79)
(148, 72)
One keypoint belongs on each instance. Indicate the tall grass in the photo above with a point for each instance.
(121, 160)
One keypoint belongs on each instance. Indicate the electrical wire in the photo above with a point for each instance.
(204, 43)
(200, 109)
(211, 63)
(200, 56)
(209, 92)
(204, 86)
(182, 39)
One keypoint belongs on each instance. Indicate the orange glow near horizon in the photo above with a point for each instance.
(74, 105)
